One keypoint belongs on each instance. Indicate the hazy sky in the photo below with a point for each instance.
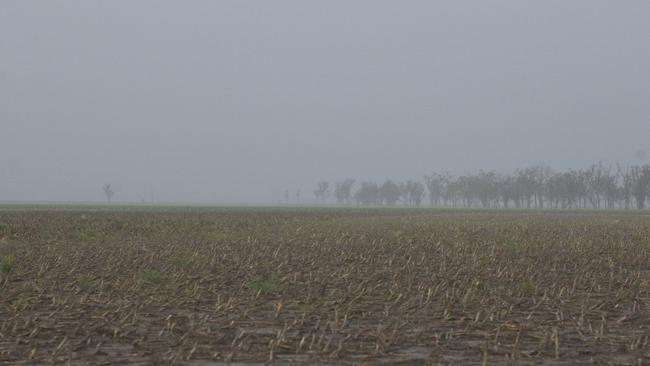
(236, 101)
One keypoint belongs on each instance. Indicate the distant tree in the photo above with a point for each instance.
(404, 193)
(598, 186)
(321, 193)
(453, 192)
(625, 190)
(437, 186)
(343, 191)
(559, 188)
(486, 187)
(526, 181)
(593, 178)
(531, 185)
(542, 173)
(641, 183)
(108, 192)
(389, 192)
(465, 189)
(286, 196)
(506, 189)
(368, 194)
(414, 192)
(609, 188)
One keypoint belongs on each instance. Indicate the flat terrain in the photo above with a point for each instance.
(243, 286)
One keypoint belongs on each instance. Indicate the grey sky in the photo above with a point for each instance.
(236, 101)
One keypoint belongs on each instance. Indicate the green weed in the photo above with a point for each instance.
(84, 233)
(527, 287)
(514, 247)
(182, 262)
(7, 263)
(153, 277)
(261, 285)
(85, 283)
(5, 229)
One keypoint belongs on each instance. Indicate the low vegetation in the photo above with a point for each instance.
(7, 263)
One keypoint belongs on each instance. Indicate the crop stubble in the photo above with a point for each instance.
(208, 287)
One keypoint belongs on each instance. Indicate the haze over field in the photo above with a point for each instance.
(235, 101)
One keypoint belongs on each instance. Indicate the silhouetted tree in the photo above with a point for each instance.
(598, 180)
(537, 186)
(108, 192)
(486, 187)
(626, 188)
(321, 192)
(368, 194)
(389, 192)
(343, 191)
(465, 189)
(563, 189)
(437, 187)
(506, 190)
(414, 192)
(526, 182)
(641, 182)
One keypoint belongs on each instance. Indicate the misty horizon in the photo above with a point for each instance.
(236, 102)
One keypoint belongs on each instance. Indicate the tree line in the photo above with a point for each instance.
(538, 186)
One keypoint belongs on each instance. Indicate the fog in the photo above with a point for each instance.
(238, 101)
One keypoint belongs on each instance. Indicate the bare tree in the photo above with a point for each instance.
(506, 189)
(108, 192)
(537, 186)
(563, 189)
(414, 192)
(389, 192)
(343, 191)
(437, 186)
(322, 192)
(368, 194)
(626, 189)
(486, 188)
(526, 179)
(641, 178)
